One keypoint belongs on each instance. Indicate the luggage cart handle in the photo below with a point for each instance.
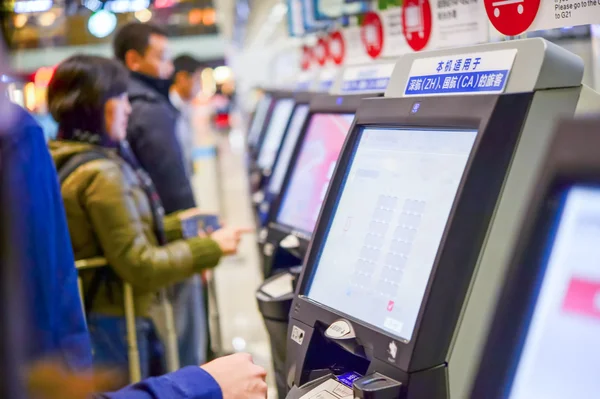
(135, 374)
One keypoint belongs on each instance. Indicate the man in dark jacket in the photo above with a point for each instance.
(144, 50)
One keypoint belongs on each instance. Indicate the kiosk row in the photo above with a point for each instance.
(440, 241)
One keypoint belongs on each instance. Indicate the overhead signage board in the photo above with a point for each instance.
(473, 73)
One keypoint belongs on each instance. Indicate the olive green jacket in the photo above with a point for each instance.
(109, 215)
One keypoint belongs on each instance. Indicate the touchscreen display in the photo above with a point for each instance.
(313, 170)
(260, 115)
(560, 355)
(275, 131)
(289, 143)
(392, 210)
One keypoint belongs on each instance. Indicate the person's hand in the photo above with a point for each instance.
(228, 238)
(238, 377)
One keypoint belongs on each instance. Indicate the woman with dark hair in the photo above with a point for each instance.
(113, 210)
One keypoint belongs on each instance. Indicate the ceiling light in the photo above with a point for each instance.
(102, 23)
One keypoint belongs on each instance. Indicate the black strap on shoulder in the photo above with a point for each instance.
(100, 275)
(75, 162)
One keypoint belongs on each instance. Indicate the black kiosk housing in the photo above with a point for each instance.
(392, 366)
(573, 160)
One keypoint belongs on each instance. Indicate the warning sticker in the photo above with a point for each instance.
(297, 335)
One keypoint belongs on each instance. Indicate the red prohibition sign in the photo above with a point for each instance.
(306, 58)
(512, 17)
(416, 23)
(322, 51)
(337, 47)
(371, 34)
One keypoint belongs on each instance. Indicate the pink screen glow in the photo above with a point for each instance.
(314, 170)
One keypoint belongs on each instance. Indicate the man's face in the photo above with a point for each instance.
(156, 61)
(188, 84)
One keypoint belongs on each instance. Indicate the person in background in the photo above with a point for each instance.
(187, 84)
(188, 298)
(113, 210)
(151, 132)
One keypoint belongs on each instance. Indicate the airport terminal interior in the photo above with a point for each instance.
(304, 199)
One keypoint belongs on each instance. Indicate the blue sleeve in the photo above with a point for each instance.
(190, 382)
(154, 142)
(57, 324)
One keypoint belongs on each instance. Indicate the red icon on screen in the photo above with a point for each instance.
(583, 298)
(337, 47)
(416, 23)
(371, 34)
(390, 306)
(512, 17)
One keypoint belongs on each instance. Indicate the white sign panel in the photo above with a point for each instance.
(459, 23)
(472, 73)
(366, 78)
(561, 13)
(394, 42)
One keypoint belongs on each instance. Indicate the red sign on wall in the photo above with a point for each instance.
(416, 23)
(307, 57)
(512, 17)
(321, 51)
(337, 47)
(371, 34)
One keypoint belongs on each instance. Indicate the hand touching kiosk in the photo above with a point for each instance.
(383, 297)
(544, 340)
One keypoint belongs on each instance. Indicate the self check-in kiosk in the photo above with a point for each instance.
(282, 105)
(273, 174)
(389, 301)
(543, 341)
(258, 121)
(300, 191)
(293, 213)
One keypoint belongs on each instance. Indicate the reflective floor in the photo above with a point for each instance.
(237, 277)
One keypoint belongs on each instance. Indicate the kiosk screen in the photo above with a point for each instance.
(560, 353)
(287, 149)
(262, 109)
(314, 169)
(278, 123)
(387, 226)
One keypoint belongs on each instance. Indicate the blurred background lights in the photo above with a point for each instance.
(144, 15)
(47, 19)
(20, 20)
(221, 74)
(102, 23)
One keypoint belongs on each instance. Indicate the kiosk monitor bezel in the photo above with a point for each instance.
(498, 119)
(291, 97)
(320, 104)
(572, 160)
(301, 99)
(275, 96)
(266, 96)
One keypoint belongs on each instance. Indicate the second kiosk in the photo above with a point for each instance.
(394, 300)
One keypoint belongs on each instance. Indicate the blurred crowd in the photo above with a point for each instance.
(112, 193)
